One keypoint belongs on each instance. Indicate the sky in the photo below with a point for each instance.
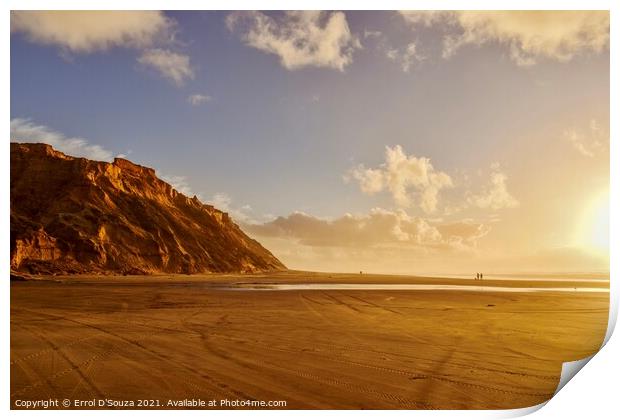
(390, 142)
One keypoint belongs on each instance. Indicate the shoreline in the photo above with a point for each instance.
(311, 278)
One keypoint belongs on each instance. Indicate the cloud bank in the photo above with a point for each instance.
(381, 241)
(299, 38)
(379, 228)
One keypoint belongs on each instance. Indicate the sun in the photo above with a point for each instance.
(592, 231)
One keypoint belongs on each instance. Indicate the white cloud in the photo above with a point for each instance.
(88, 31)
(84, 32)
(171, 65)
(416, 18)
(529, 35)
(408, 178)
(591, 143)
(178, 182)
(221, 201)
(24, 130)
(372, 34)
(496, 195)
(405, 57)
(299, 38)
(392, 54)
(243, 214)
(197, 99)
(576, 141)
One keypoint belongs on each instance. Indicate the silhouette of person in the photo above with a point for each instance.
(480, 276)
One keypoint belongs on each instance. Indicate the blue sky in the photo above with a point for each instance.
(295, 115)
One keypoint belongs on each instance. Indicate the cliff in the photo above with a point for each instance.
(74, 215)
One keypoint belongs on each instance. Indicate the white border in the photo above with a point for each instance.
(592, 394)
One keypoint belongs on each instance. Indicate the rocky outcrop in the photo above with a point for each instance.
(74, 215)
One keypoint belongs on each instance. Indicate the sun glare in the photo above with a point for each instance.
(593, 231)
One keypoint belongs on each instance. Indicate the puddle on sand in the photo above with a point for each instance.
(464, 288)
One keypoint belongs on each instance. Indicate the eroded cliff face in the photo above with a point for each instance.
(74, 215)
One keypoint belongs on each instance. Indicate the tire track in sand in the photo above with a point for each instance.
(116, 348)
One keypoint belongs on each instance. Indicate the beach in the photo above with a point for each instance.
(220, 337)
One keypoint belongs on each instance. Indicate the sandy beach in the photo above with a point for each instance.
(173, 338)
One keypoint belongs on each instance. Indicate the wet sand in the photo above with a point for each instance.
(184, 337)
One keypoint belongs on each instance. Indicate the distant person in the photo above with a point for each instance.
(360, 272)
(480, 276)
